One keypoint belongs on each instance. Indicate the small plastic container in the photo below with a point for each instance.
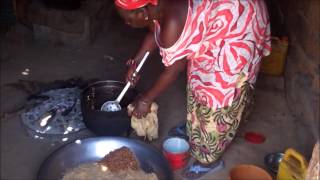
(176, 150)
(274, 63)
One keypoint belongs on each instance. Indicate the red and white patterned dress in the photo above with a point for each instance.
(220, 39)
(223, 41)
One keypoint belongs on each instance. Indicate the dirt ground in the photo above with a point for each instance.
(21, 156)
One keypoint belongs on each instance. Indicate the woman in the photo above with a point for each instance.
(221, 42)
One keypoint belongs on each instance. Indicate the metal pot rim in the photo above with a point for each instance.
(102, 81)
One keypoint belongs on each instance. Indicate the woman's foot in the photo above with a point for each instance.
(196, 169)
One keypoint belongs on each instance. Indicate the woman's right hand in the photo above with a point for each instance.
(131, 75)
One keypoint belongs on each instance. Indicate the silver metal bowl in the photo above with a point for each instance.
(93, 149)
(273, 160)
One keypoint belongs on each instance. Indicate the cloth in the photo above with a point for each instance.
(221, 39)
(146, 126)
(211, 130)
(134, 4)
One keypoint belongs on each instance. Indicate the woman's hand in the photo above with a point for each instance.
(131, 76)
(142, 107)
(143, 103)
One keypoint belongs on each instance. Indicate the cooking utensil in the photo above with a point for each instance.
(93, 149)
(106, 123)
(113, 106)
(272, 161)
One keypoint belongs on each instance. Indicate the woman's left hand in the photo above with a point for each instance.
(142, 107)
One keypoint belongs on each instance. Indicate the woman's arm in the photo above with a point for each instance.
(167, 77)
(148, 44)
(168, 37)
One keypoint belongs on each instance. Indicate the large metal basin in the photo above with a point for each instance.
(93, 149)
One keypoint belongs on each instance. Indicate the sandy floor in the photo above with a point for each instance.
(21, 156)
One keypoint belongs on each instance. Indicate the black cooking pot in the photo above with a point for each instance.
(106, 123)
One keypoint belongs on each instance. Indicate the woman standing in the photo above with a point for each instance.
(221, 42)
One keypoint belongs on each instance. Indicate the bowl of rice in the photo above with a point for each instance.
(105, 158)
